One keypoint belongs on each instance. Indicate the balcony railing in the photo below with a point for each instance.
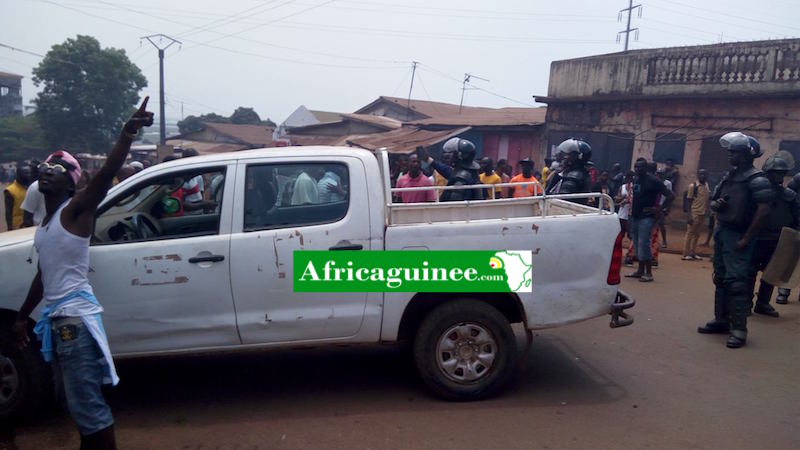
(732, 65)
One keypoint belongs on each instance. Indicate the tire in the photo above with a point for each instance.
(465, 350)
(25, 382)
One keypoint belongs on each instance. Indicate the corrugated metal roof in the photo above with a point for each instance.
(381, 121)
(326, 116)
(403, 140)
(428, 108)
(247, 134)
(10, 75)
(489, 117)
(206, 148)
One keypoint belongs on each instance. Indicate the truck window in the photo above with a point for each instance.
(182, 204)
(291, 195)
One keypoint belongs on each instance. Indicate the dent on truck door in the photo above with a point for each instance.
(166, 287)
(288, 206)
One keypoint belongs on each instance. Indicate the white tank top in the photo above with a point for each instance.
(63, 258)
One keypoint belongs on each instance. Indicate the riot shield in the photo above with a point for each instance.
(783, 270)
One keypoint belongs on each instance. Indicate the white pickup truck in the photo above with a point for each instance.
(219, 278)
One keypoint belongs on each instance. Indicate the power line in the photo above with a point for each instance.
(721, 13)
(206, 44)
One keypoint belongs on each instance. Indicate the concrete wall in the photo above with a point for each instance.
(737, 69)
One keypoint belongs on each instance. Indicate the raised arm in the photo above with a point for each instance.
(79, 214)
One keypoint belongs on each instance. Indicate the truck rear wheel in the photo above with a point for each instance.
(465, 350)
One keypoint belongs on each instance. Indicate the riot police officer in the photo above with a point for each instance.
(465, 171)
(784, 211)
(783, 293)
(741, 203)
(574, 177)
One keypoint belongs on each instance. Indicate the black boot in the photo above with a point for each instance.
(762, 301)
(736, 339)
(739, 306)
(720, 323)
(765, 309)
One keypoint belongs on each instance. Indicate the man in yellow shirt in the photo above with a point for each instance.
(489, 176)
(14, 195)
(526, 165)
(546, 170)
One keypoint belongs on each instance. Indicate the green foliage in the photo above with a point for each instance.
(245, 116)
(241, 116)
(88, 93)
(22, 138)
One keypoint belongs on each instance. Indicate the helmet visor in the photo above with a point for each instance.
(735, 141)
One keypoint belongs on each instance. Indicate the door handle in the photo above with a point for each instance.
(347, 247)
(210, 258)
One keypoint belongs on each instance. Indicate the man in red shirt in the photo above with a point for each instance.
(415, 178)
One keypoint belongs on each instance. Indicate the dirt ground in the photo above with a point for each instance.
(655, 384)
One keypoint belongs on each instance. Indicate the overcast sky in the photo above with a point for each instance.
(339, 55)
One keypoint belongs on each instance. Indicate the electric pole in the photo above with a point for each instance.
(413, 71)
(628, 29)
(467, 77)
(161, 47)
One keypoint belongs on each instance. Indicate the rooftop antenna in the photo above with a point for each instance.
(628, 28)
(467, 78)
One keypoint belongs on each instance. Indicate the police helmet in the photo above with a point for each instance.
(464, 149)
(582, 150)
(738, 141)
(782, 161)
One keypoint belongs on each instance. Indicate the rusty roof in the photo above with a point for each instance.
(10, 75)
(205, 148)
(425, 107)
(403, 140)
(246, 134)
(380, 121)
(477, 117)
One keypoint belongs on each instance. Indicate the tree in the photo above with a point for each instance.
(88, 93)
(21, 138)
(245, 116)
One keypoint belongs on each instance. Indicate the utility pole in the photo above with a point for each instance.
(408, 104)
(467, 77)
(161, 47)
(628, 29)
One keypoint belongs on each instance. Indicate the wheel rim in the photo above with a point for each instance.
(466, 352)
(9, 379)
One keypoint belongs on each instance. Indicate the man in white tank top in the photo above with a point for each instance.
(70, 329)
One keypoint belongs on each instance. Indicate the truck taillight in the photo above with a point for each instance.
(616, 262)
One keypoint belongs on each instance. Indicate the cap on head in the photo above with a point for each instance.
(739, 142)
(74, 172)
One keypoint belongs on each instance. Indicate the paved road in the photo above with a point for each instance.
(656, 384)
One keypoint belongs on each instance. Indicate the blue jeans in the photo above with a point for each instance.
(78, 371)
(640, 230)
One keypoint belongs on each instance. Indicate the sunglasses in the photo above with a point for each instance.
(55, 168)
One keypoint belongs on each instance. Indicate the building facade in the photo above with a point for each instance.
(675, 103)
(10, 94)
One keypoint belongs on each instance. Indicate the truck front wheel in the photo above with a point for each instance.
(25, 383)
(465, 350)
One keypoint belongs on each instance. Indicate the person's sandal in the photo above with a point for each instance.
(633, 275)
(646, 278)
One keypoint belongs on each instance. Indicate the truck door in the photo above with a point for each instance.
(284, 205)
(160, 266)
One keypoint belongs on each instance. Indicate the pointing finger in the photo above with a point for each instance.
(143, 106)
